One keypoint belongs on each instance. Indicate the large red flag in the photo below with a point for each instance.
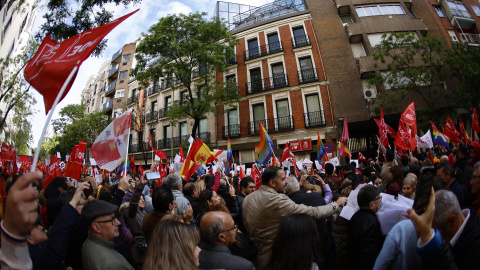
(132, 165)
(158, 153)
(180, 153)
(53, 170)
(402, 140)
(8, 153)
(410, 118)
(451, 132)
(256, 176)
(465, 138)
(75, 161)
(140, 170)
(110, 148)
(475, 124)
(54, 61)
(286, 153)
(161, 169)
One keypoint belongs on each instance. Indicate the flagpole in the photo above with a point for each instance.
(126, 156)
(49, 117)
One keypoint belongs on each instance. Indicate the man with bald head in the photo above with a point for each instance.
(217, 233)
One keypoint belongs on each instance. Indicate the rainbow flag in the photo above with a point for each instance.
(321, 150)
(122, 169)
(438, 137)
(229, 163)
(263, 151)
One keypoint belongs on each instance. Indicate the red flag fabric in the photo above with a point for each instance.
(14, 166)
(382, 130)
(53, 170)
(53, 61)
(297, 172)
(163, 172)
(402, 140)
(75, 161)
(256, 176)
(180, 153)
(141, 170)
(361, 157)
(8, 153)
(158, 153)
(475, 124)
(241, 173)
(41, 166)
(312, 170)
(345, 136)
(274, 161)
(286, 153)
(465, 138)
(451, 132)
(409, 117)
(110, 148)
(7, 167)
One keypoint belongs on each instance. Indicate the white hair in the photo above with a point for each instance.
(291, 186)
(446, 204)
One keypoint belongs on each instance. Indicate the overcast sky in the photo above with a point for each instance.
(128, 31)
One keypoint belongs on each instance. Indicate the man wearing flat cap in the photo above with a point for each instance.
(365, 238)
(97, 251)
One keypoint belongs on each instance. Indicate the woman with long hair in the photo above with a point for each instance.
(173, 245)
(296, 246)
(395, 182)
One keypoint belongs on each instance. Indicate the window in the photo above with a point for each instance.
(278, 76)
(253, 50)
(233, 128)
(377, 10)
(439, 11)
(11, 48)
(119, 93)
(346, 19)
(299, 37)
(183, 130)
(255, 80)
(153, 132)
(231, 79)
(283, 114)
(232, 117)
(123, 74)
(476, 10)
(307, 72)
(126, 58)
(458, 9)
(95, 89)
(203, 126)
(183, 96)
(167, 132)
(273, 43)
(258, 115)
(168, 102)
(314, 115)
(153, 107)
(93, 102)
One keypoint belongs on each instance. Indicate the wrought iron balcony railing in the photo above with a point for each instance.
(231, 131)
(272, 125)
(300, 41)
(307, 75)
(263, 50)
(275, 82)
(314, 119)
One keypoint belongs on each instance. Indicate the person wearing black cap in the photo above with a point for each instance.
(97, 251)
(365, 238)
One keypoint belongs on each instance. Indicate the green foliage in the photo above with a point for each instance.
(174, 49)
(49, 146)
(65, 19)
(414, 67)
(74, 126)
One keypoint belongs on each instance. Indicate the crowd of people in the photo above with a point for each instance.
(219, 221)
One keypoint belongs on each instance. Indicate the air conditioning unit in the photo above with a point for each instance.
(369, 93)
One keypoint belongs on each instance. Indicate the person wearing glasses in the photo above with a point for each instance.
(247, 186)
(365, 238)
(97, 250)
(217, 233)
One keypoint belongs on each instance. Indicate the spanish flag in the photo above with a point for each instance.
(199, 154)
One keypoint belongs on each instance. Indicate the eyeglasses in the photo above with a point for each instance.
(106, 221)
(235, 227)
(251, 187)
(379, 198)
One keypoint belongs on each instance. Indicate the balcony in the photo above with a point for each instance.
(151, 116)
(232, 61)
(153, 90)
(275, 82)
(161, 113)
(167, 83)
(107, 105)
(113, 72)
(470, 38)
(300, 41)
(231, 131)
(263, 50)
(164, 143)
(117, 57)
(272, 125)
(179, 139)
(135, 148)
(307, 76)
(204, 136)
(111, 88)
(132, 100)
(314, 119)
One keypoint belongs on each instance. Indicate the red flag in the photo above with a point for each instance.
(465, 138)
(312, 170)
(140, 170)
(402, 140)
(158, 153)
(345, 136)
(75, 161)
(475, 124)
(409, 117)
(53, 61)
(451, 132)
(41, 166)
(361, 157)
(180, 153)
(7, 167)
(286, 153)
(8, 153)
(241, 174)
(110, 148)
(163, 172)
(274, 161)
(132, 165)
(14, 166)
(256, 176)
(382, 129)
(297, 172)
(53, 171)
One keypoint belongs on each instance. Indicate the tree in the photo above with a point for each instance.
(413, 67)
(49, 146)
(178, 49)
(65, 19)
(74, 126)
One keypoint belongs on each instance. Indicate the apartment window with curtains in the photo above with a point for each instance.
(378, 10)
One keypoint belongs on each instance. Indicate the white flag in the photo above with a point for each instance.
(425, 141)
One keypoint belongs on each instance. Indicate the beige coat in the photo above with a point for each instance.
(264, 209)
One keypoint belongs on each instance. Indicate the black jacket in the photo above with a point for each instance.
(365, 239)
(465, 253)
(219, 257)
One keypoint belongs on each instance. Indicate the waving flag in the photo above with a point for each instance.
(264, 150)
(180, 153)
(342, 144)
(286, 153)
(425, 141)
(321, 150)
(361, 157)
(197, 156)
(53, 170)
(122, 170)
(54, 61)
(229, 162)
(402, 140)
(475, 124)
(75, 161)
(110, 148)
(438, 137)
(465, 138)
(158, 153)
(451, 132)
(410, 118)
(8, 153)
(256, 176)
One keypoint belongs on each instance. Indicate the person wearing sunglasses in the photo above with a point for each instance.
(97, 251)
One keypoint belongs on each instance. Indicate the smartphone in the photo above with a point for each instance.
(87, 192)
(311, 179)
(424, 187)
